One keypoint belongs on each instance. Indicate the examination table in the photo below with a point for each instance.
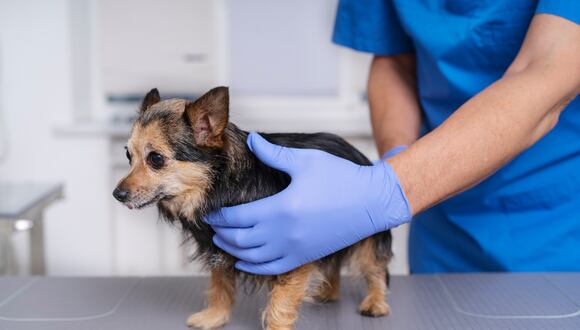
(453, 301)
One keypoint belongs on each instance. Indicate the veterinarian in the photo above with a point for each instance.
(494, 85)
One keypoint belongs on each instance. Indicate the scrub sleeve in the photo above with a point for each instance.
(568, 9)
(370, 26)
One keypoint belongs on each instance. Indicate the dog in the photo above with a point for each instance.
(187, 158)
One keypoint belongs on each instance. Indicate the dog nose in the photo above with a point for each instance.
(121, 194)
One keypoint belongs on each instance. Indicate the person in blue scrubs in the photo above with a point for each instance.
(493, 181)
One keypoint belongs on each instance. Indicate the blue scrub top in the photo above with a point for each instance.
(526, 217)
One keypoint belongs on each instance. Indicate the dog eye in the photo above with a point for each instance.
(128, 155)
(155, 160)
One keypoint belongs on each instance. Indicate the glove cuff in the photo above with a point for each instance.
(395, 205)
(393, 151)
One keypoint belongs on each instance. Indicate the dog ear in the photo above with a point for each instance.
(151, 98)
(208, 117)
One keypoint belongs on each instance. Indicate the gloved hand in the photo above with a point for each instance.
(331, 203)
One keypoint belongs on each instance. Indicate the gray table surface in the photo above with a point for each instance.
(16, 199)
(474, 301)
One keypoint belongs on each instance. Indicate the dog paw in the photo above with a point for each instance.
(374, 307)
(208, 319)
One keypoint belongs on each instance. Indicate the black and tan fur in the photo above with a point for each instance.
(206, 165)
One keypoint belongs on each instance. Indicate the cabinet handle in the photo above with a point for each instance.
(194, 57)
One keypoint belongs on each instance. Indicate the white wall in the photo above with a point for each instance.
(37, 95)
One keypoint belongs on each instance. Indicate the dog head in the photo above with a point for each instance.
(172, 151)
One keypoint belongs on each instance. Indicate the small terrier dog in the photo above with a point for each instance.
(186, 157)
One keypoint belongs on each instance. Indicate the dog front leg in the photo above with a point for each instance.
(220, 298)
(287, 293)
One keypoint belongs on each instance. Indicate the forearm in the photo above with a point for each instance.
(395, 112)
(484, 134)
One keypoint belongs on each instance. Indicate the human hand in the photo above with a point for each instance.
(331, 203)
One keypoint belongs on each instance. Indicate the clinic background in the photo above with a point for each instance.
(72, 73)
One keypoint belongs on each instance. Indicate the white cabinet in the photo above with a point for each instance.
(168, 44)
(284, 72)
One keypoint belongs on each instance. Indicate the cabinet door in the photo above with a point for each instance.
(286, 75)
(283, 48)
(166, 44)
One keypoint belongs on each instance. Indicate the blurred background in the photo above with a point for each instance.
(72, 73)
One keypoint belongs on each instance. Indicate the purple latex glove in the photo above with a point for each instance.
(331, 203)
